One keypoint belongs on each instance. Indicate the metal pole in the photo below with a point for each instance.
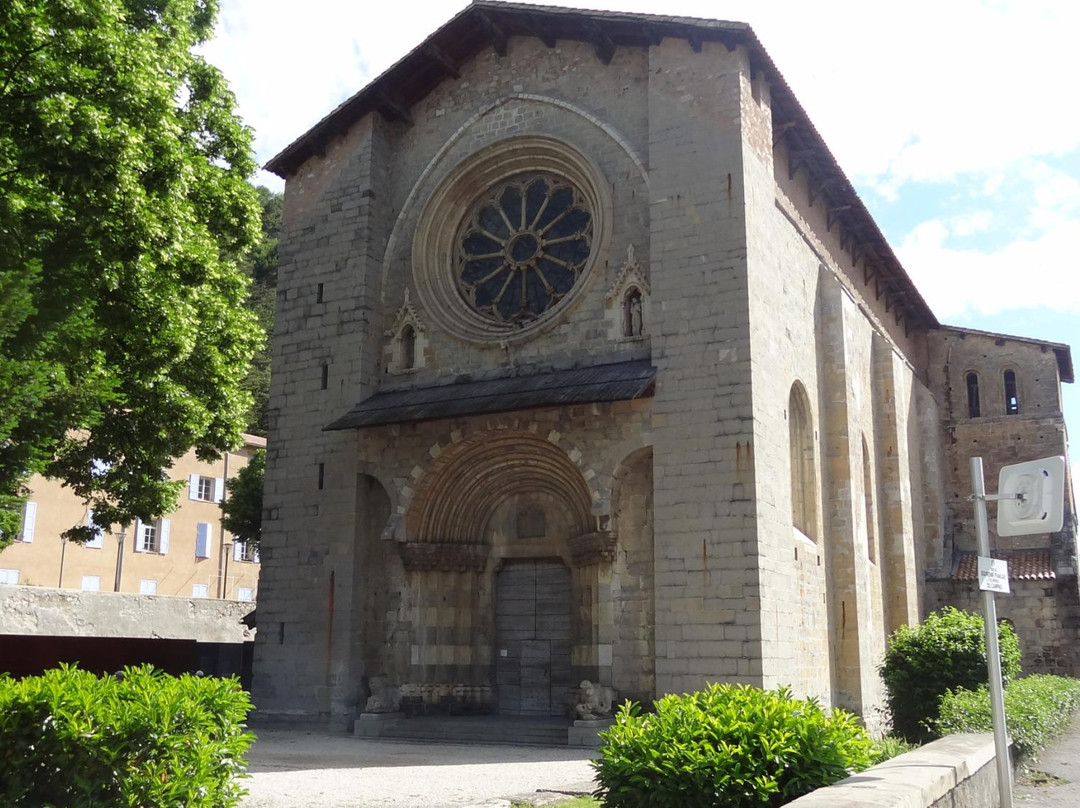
(120, 538)
(993, 653)
(223, 563)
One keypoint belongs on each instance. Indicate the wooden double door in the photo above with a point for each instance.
(533, 621)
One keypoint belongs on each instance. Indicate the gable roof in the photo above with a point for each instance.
(1062, 352)
(490, 23)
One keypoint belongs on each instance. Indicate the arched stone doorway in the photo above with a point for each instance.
(501, 566)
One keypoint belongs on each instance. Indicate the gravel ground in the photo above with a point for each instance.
(291, 769)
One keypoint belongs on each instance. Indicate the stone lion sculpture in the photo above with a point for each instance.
(384, 697)
(594, 701)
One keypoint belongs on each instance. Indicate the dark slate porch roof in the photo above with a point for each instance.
(616, 382)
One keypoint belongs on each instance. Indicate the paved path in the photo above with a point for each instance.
(291, 769)
(1061, 759)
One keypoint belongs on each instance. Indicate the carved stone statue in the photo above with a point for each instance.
(635, 316)
(384, 697)
(594, 701)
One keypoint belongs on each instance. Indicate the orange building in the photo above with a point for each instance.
(186, 553)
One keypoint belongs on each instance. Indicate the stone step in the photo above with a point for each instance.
(481, 730)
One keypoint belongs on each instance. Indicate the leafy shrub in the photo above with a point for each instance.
(72, 739)
(948, 651)
(730, 745)
(1037, 708)
(889, 747)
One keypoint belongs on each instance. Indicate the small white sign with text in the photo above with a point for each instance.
(993, 575)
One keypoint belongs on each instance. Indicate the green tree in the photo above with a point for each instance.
(241, 509)
(261, 267)
(124, 207)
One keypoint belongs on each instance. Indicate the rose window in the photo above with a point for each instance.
(523, 247)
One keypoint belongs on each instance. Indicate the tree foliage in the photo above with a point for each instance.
(261, 268)
(124, 208)
(945, 652)
(241, 509)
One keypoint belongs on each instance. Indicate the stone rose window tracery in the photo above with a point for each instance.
(523, 247)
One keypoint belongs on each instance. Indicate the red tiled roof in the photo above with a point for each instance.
(1024, 565)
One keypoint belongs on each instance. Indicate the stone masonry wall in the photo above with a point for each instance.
(708, 596)
(1043, 612)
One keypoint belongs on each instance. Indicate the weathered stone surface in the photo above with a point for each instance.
(46, 611)
(763, 517)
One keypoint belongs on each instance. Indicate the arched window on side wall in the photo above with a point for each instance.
(408, 348)
(974, 410)
(803, 478)
(1012, 397)
(868, 502)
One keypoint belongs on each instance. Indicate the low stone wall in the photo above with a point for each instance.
(41, 611)
(955, 772)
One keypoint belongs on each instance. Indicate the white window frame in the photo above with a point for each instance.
(200, 591)
(245, 553)
(91, 579)
(205, 489)
(160, 543)
(146, 537)
(148, 586)
(9, 576)
(245, 594)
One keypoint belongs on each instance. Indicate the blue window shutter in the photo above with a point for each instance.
(163, 539)
(219, 489)
(140, 537)
(202, 540)
(193, 486)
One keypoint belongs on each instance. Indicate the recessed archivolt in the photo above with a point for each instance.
(452, 141)
(468, 480)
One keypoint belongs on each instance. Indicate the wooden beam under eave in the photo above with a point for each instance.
(780, 129)
(393, 110)
(816, 188)
(440, 57)
(833, 214)
(652, 35)
(497, 35)
(694, 38)
(542, 32)
(605, 48)
(796, 161)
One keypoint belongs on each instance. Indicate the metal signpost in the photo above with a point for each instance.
(1030, 500)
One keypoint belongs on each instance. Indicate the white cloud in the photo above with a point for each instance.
(969, 224)
(964, 95)
(919, 91)
(1040, 271)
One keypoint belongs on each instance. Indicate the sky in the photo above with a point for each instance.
(956, 121)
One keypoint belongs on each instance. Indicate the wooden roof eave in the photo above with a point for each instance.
(489, 23)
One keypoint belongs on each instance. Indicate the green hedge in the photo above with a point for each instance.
(729, 745)
(946, 652)
(1037, 708)
(71, 739)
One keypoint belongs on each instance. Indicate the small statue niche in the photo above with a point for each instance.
(627, 301)
(632, 316)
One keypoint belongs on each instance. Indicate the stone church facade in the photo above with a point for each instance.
(590, 364)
